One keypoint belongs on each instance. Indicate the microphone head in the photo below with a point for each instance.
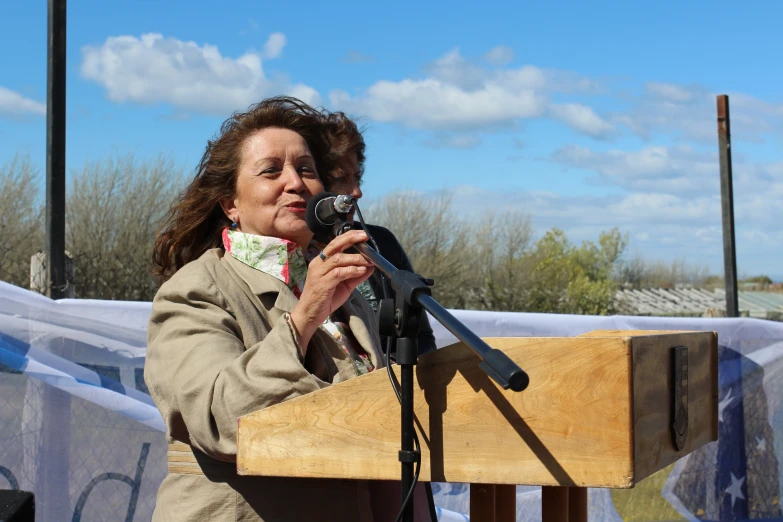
(344, 204)
(321, 231)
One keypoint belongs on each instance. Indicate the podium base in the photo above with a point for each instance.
(493, 502)
(563, 504)
(498, 503)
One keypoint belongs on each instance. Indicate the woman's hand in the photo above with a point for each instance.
(330, 283)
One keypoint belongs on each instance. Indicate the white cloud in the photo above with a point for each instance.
(13, 104)
(676, 170)
(670, 92)
(755, 235)
(582, 119)
(453, 69)
(681, 183)
(641, 211)
(660, 226)
(154, 69)
(274, 45)
(457, 94)
(690, 113)
(690, 226)
(433, 104)
(500, 55)
(671, 193)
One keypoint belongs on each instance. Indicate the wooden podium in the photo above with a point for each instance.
(603, 410)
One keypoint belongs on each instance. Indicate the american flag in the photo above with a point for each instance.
(737, 477)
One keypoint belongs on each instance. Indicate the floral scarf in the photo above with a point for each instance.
(277, 257)
(285, 261)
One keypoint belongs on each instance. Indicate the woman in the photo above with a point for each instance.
(348, 154)
(236, 328)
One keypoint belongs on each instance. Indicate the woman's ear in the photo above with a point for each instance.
(229, 206)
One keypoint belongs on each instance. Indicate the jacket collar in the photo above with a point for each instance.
(260, 284)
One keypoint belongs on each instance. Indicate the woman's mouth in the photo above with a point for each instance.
(297, 208)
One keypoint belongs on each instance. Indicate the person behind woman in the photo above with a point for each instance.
(243, 322)
(348, 155)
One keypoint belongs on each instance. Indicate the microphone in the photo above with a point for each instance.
(326, 213)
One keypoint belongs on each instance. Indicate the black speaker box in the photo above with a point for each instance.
(17, 506)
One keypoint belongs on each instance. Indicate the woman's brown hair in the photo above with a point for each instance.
(346, 138)
(196, 220)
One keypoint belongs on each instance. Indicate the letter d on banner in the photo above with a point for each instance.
(135, 485)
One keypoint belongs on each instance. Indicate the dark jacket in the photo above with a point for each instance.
(391, 249)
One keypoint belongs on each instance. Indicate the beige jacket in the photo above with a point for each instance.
(219, 348)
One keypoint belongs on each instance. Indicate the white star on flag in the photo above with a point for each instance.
(735, 489)
(722, 405)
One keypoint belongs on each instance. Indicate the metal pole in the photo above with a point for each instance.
(54, 464)
(727, 207)
(55, 151)
(406, 357)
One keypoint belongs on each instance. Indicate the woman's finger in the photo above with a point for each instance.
(344, 288)
(344, 241)
(345, 273)
(356, 281)
(343, 259)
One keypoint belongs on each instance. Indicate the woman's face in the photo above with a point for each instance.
(346, 178)
(276, 179)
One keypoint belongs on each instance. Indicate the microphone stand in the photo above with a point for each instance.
(400, 318)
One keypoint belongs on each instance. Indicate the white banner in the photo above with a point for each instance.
(79, 429)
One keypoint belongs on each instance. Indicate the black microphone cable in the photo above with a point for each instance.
(416, 444)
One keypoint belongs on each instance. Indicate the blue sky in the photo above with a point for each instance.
(587, 115)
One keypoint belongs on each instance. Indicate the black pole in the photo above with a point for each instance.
(406, 358)
(727, 208)
(55, 151)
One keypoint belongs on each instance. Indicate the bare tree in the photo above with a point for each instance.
(113, 210)
(501, 244)
(21, 219)
(490, 263)
(433, 236)
(485, 262)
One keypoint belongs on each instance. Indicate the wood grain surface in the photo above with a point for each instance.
(575, 425)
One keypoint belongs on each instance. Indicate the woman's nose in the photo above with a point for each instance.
(356, 191)
(293, 180)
